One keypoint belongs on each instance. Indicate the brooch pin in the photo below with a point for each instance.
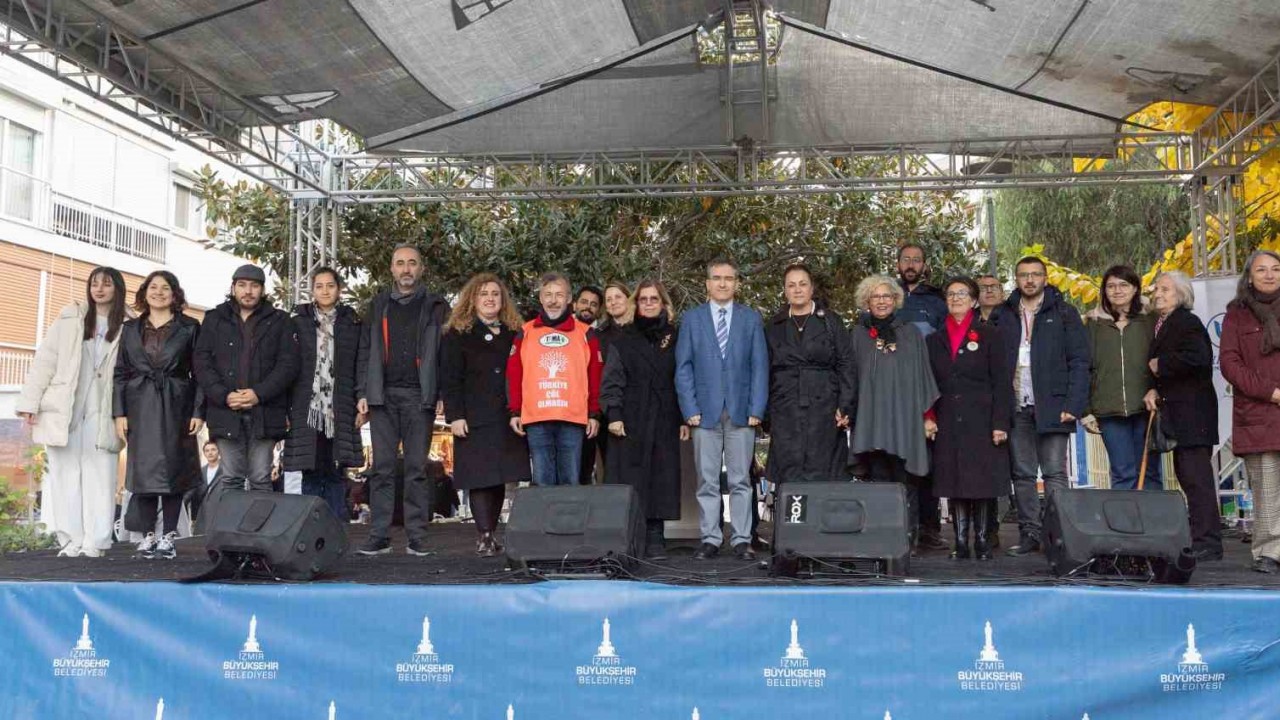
(973, 341)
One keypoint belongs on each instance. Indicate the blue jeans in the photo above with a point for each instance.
(555, 447)
(1126, 439)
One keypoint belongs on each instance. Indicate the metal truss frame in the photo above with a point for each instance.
(93, 54)
(1239, 132)
(1019, 162)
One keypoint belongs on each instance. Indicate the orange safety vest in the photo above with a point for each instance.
(554, 379)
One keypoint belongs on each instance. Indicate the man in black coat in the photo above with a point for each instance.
(245, 360)
(324, 426)
(401, 398)
(925, 308)
(1049, 353)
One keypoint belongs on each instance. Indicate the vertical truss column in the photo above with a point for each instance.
(1216, 214)
(314, 241)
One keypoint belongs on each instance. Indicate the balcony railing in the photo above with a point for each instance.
(14, 365)
(29, 199)
(107, 228)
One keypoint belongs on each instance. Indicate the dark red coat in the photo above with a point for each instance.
(1255, 420)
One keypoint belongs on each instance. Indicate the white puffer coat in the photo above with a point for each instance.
(50, 390)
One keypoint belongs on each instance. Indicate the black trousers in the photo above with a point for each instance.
(1195, 474)
(400, 421)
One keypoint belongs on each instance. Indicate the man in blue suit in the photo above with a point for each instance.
(722, 379)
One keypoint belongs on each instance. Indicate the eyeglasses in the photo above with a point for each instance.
(958, 295)
(1030, 275)
(989, 288)
(881, 298)
(648, 300)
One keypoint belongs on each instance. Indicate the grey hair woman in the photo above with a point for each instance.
(1181, 359)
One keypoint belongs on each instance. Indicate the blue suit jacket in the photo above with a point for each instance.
(707, 384)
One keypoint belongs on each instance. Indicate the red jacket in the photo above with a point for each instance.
(515, 367)
(1254, 377)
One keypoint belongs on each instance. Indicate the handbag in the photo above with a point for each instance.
(1160, 437)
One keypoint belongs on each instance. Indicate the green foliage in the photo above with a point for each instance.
(17, 534)
(1091, 228)
(842, 236)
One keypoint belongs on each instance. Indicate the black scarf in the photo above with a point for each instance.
(653, 328)
(406, 298)
(1266, 307)
(884, 328)
(552, 322)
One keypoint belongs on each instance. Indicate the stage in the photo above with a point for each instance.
(455, 636)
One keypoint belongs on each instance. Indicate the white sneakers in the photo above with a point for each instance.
(147, 548)
(165, 548)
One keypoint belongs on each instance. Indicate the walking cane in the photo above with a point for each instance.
(1146, 444)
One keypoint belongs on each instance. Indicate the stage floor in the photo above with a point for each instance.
(455, 562)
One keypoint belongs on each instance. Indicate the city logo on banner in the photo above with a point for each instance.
(333, 710)
(82, 660)
(1193, 672)
(160, 709)
(425, 666)
(607, 667)
(989, 673)
(793, 669)
(251, 663)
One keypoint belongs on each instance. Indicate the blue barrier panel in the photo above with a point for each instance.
(571, 650)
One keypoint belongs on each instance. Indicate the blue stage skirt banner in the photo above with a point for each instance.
(566, 650)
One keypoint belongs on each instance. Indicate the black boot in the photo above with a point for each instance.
(962, 519)
(655, 542)
(981, 515)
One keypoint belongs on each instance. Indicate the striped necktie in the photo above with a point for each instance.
(722, 330)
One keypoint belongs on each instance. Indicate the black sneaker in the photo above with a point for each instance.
(1026, 546)
(419, 548)
(706, 551)
(932, 541)
(744, 552)
(375, 546)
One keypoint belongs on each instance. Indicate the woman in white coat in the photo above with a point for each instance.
(67, 402)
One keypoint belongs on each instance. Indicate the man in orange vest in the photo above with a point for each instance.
(553, 384)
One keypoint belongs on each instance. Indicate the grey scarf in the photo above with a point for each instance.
(320, 412)
(1266, 308)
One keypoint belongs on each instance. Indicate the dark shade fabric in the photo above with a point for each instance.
(1059, 358)
(894, 391)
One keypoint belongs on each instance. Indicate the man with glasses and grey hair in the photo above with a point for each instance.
(1049, 352)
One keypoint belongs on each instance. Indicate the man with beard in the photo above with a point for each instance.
(586, 307)
(405, 325)
(925, 307)
(553, 385)
(246, 358)
(1049, 351)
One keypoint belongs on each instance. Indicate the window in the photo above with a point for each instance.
(182, 206)
(17, 175)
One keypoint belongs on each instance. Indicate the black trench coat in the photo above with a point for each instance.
(639, 389)
(350, 354)
(811, 373)
(159, 402)
(976, 398)
(473, 385)
(1184, 379)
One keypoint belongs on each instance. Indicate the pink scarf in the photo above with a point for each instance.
(956, 331)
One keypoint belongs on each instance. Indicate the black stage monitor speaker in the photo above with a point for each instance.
(1134, 534)
(575, 530)
(288, 537)
(822, 528)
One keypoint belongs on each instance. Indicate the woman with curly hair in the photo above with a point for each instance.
(487, 453)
